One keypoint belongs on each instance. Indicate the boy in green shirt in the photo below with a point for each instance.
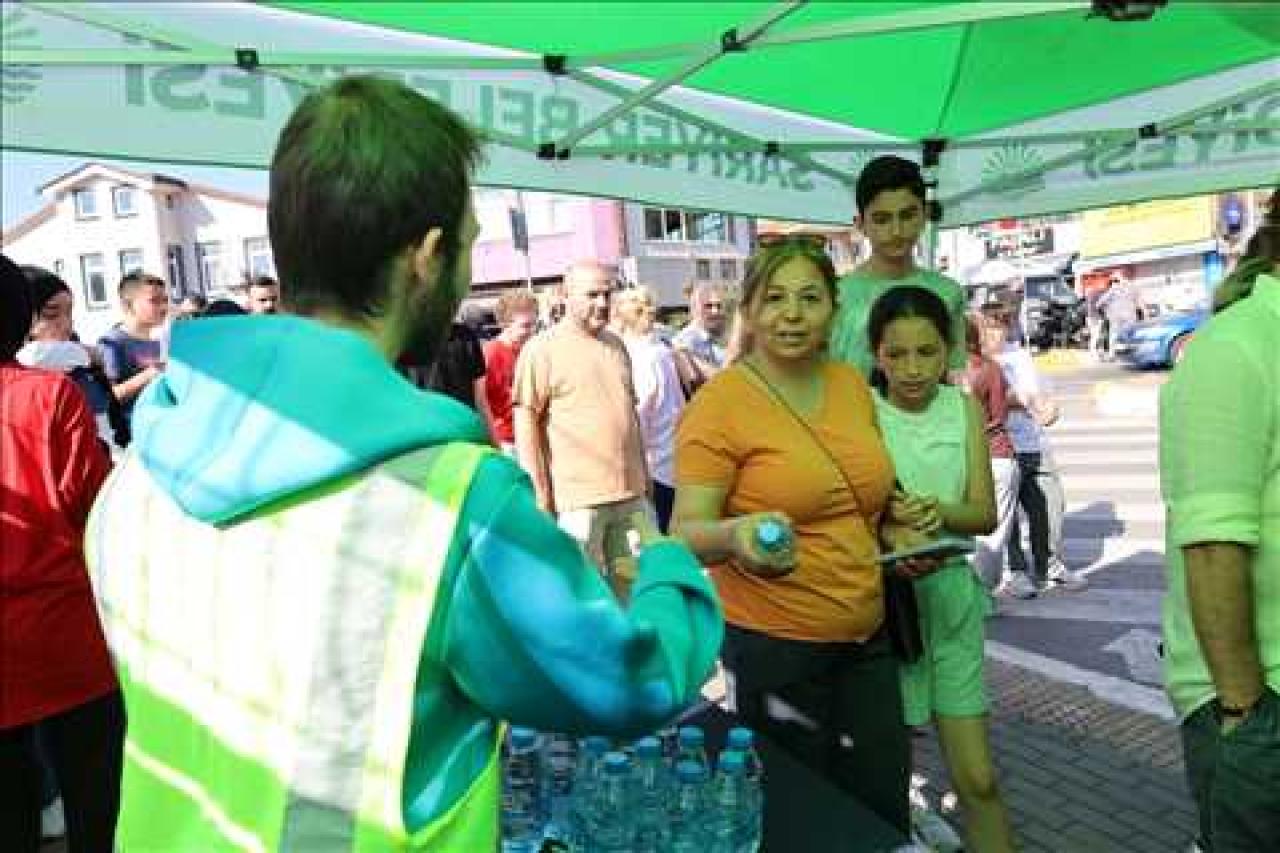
(891, 213)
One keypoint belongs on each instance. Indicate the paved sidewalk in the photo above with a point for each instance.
(1079, 774)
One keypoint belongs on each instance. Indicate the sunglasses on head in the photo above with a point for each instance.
(813, 241)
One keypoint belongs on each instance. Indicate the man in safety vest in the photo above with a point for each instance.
(323, 591)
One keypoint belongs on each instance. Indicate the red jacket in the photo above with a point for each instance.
(53, 656)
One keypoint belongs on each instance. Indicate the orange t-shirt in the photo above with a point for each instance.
(736, 436)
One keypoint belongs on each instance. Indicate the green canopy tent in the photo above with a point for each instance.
(760, 108)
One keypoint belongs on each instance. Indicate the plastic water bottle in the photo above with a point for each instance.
(650, 796)
(728, 805)
(585, 788)
(612, 819)
(743, 740)
(772, 536)
(693, 747)
(523, 803)
(688, 809)
(559, 758)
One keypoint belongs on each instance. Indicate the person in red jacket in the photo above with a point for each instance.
(55, 671)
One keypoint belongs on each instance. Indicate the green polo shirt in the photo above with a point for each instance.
(1220, 475)
(858, 292)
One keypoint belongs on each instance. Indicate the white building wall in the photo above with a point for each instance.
(59, 243)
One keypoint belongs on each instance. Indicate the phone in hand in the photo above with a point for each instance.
(942, 548)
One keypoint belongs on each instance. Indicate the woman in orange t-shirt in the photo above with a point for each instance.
(788, 437)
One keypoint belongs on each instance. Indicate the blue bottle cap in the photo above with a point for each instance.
(648, 747)
(732, 762)
(770, 534)
(596, 744)
(741, 738)
(616, 763)
(521, 736)
(690, 771)
(692, 736)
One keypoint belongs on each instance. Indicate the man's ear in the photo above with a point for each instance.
(426, 260)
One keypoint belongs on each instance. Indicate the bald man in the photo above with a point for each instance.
(575, 424)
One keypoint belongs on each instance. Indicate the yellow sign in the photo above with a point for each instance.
(1149, 225)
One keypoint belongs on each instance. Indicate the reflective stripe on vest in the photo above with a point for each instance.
(288, 732)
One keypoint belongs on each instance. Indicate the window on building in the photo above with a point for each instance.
(209, 265)
(257, 257)
(170, 202)
(130, 261)
(662, 224)
(702, 269)
(93, 277)
(59, 267)
(124, 201)
(175, 260)
(728, 269)
(707, 227)
(86, 202)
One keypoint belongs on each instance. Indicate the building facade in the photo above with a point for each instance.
(103, 222)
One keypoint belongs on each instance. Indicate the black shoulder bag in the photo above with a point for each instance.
(901, 612)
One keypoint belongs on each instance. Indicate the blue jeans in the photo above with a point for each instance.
(1040, 495)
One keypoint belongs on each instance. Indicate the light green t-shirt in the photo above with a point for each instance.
(859, 290)
(1220, 476)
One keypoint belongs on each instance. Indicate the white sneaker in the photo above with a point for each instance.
(1020, 586)
(1067, 579)
(931, 831)
(53, 823)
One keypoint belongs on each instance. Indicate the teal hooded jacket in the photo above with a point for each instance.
(253, 410)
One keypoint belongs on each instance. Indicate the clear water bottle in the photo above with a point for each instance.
(650, 795)
(693, 747)
(772, 536)
(743, 740)
(585, 788)
(559, 759)
(688, 808)
(613, 820)
(523, 798)
(728, 804)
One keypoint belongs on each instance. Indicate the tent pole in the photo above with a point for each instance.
(687, 117)
(697, 63)
(950, 15)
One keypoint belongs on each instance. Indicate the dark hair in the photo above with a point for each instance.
(362, 170)
(223, 308)
(42, 285)
(885, 173)
(761, 267)
(132, 282)
(261, 281)
(901, 302)
(1261, 256)
(16, 312)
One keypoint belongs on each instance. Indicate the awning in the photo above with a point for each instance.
(1143, 256)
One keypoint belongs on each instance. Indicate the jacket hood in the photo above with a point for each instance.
(251, 410)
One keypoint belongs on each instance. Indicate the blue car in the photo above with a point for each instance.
(1159, 342)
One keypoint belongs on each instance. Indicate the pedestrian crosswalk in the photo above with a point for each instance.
(1113, 533)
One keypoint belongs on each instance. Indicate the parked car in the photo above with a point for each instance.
(1159, 342)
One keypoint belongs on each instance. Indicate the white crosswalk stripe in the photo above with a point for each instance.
(1113, 534)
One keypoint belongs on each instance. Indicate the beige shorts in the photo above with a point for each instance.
(606, 534)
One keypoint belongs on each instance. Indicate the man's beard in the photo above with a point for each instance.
(433, 316)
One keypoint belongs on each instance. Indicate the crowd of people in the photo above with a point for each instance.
(309, 595)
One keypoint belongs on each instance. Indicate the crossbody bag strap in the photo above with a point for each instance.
(813, 435)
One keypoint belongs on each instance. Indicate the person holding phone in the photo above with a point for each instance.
(785, 436)
(936, 437)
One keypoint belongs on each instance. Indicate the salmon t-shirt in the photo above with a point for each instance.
(735, 435)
